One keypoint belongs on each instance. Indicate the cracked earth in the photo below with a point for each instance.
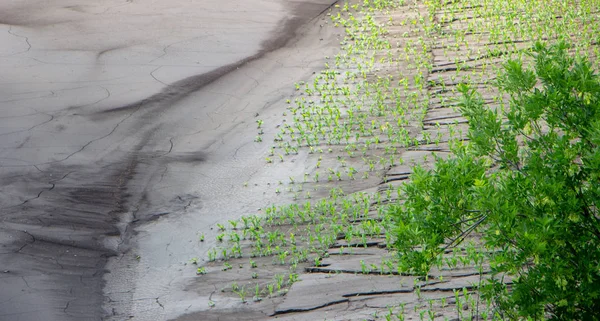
(127, 135)
(126, 128)
(350, 280)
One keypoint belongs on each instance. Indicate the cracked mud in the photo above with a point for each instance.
(126, 128)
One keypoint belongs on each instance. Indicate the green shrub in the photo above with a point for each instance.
(527, 183)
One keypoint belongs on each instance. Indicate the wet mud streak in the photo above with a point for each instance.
(181, 89)
(55, 243)
(56, 240)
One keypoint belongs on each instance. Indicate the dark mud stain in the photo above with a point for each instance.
(181, 89)
(57, 250)
(53, 247)
(29, 14)
(107, 50)
(53, 244)
(188, 157)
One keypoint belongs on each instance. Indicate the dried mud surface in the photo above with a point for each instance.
(346, 284)
(124, 128)
(127, 134)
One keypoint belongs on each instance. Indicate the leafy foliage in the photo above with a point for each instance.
(528, 184)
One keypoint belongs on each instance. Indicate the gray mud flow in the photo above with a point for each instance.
(109, 113)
